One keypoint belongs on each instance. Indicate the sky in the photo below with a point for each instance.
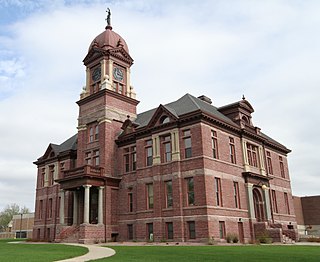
(266, 50)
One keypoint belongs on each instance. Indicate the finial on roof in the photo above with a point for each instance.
(108, 19)
(243, 98)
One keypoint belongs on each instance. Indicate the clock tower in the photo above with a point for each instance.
(106, 102)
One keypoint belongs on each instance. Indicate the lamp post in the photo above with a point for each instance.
(21, 214)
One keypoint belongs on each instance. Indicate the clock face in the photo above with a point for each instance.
(96, 74)
(118, 73)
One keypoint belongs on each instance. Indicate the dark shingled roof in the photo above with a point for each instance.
(69, 144)
(182, 106)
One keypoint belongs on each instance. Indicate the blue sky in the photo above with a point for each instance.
(267, 50)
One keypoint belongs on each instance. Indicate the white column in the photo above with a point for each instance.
(265, 190)
(75, 208)
(250, 200)
(86, 208)
(61, 211)
(100, 205)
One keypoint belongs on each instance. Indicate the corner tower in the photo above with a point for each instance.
(106, 102)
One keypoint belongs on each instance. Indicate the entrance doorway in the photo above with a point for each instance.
(241, 234)
(259, 209)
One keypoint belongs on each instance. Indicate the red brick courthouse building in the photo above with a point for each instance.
(184, 171)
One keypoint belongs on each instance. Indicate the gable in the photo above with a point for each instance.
(162, 115)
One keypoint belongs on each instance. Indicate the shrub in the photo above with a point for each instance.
(232, 238)
(211, 241)
(264, 238)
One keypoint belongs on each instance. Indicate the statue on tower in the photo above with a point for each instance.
(108, 19)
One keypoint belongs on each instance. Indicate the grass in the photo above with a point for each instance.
(215, 253)
(37, 252)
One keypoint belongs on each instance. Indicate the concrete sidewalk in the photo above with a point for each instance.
(95, 252)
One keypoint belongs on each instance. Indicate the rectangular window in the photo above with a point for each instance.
(274, 201)
(126, 160)
(134, 158)
(96, 134)
(190, 191)
(187, 143)
(192, 229)
(214, 139)
(169, 230)
(169, 194)
(269, 163)
(218, 192)
(222, 230)
(130, 232)
(50, 208)
(167, 148)
(130, 200)
(149, 153)
(232, 150)
(96, 158)
(236, 194)
(150, 231)
(91, 138)
(43, 176)
(40, 209)
(286, 202)
(51, 175)
(252, 152)
(88, 159)
(281, 167)
(150, 196)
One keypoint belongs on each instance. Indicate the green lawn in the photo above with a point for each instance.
(215, 253)
(37, 252)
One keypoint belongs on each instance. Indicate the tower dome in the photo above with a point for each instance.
(109, 40)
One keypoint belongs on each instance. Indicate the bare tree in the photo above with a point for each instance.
(8, 212)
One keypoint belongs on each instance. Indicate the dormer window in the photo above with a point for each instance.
(164, 120)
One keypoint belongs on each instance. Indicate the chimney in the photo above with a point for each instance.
(205, 99)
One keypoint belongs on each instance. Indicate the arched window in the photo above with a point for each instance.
(164, 120)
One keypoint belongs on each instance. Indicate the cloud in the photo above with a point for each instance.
(266, 50)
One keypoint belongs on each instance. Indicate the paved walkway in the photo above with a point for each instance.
(95, 252)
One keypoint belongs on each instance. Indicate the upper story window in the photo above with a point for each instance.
(92, 157)
(130, 159)
(232, 150)
(166, 148)
(93, 133)
(218, 192)
(214, 139)
(190, 191)
(187, 143)
(269, 163)
(169, 202)
(133, 158)
(149, 153)
(42, 177)
(281, 167)
(51, 175)
(150, 196)
(252, 152)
